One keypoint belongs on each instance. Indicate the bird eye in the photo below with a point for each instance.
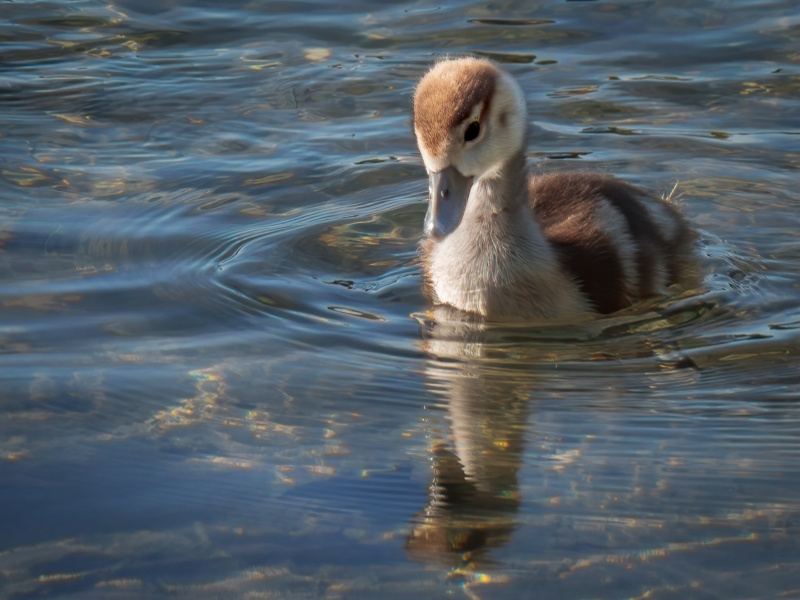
(472, 131)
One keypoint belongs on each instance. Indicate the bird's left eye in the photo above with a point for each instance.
(472, 131)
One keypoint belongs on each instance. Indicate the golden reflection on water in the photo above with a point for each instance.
(486, 393)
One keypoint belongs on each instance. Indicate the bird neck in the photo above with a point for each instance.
(503, 189)
(499, 218)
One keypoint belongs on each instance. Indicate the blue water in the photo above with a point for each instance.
(219, 376)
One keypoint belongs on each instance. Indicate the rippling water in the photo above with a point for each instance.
(220, 378)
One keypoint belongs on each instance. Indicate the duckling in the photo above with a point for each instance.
(508, 245)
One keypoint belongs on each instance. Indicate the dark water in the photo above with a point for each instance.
(220, 378)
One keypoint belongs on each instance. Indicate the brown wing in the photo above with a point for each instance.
(567, 208)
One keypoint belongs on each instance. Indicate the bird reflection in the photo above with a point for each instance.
(486, 378)
(473, 497)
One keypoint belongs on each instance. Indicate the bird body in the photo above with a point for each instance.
(504, 244)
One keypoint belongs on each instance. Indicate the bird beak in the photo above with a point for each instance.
(449, 193)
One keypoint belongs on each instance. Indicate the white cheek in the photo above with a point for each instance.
(503, 137)
(478, 161)
(492, 149)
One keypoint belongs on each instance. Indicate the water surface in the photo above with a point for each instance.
(220, 378)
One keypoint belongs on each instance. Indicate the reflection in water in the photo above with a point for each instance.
(622, 493)
(473, 497)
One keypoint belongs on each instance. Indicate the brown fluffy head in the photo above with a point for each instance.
(447, 95)
(454, 95)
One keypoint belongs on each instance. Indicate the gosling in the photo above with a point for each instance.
(505, 244)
